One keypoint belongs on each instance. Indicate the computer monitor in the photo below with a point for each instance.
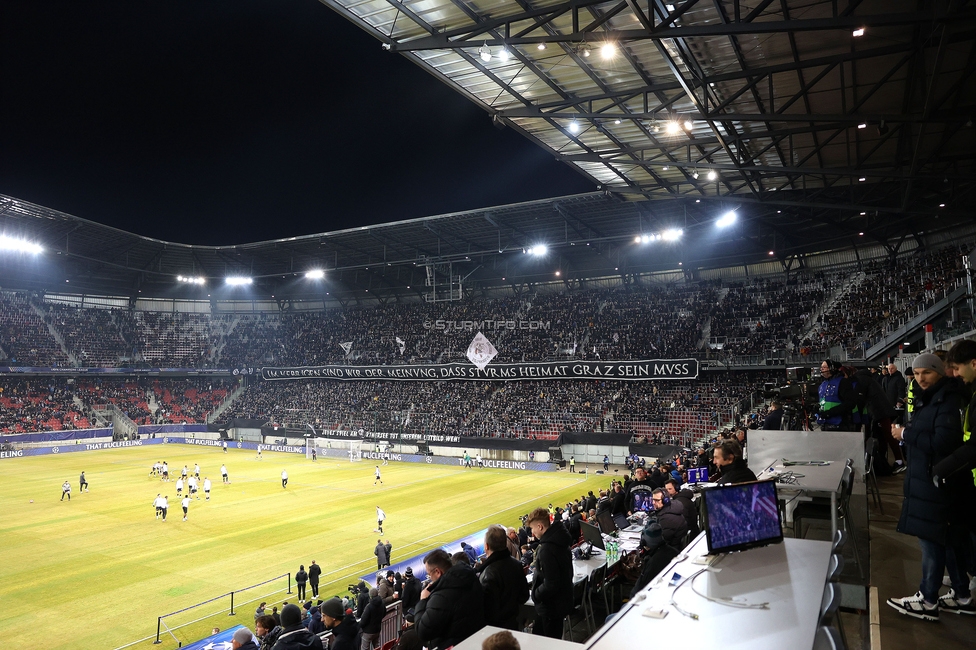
(698, 475)
(592, 535)
(642, 501)
(620, 520)
(741, 516)
(605, 520)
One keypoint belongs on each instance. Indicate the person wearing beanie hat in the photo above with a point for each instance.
(410, 594)
(386, 589)
(294, 636)
(371, 622)
(657, 554)
(838, 399)
(934, 433)
(341, 623)
(243, 640)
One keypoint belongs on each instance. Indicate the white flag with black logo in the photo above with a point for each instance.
(481, 351)
(346, 347)
(402, 344)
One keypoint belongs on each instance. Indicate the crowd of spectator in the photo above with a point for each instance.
(704, 319)
(47, 404)
(888, 291)
(24, 337)
(657, 412)
(56, 403)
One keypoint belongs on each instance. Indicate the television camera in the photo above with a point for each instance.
(799, 396)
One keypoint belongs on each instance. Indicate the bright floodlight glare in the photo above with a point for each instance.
(574, 127)
(862, 125)
(608, 50)
(688, 125)
(712, 175)
(542, 46)
(726, 220)
(238, 280)
(673, 127)
(858, 32)
(672, 234)
(19, 245)
(315, 274)
(504, 55)
(191, 280)
(484, 53)
(538, 250)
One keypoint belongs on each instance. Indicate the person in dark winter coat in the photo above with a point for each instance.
(451, 608)
(670, 515)
(934, 433)
(293, 635)
(343, 626)
(314, 571)
(314, 622)
(362, 600)
(386, 589)
(687, 500)
(871, 396)
(895, 386)
(655, 555)
(728, 460)
(503, 581)
(382, 556)
(411, 591)
(372, 620)
(618, 502)
(552, 581)
(300, 579)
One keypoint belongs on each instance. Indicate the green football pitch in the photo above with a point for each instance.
(97, 571)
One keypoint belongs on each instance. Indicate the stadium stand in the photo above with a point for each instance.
(28, 405)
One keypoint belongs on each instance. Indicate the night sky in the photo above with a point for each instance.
(221, 122)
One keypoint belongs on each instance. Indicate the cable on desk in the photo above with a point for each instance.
(677, 607)
(728, 602)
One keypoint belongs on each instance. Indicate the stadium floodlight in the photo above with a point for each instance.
(191, 279)
(19, 245)
(672, 234)
(504, 55)
(608, 50)
(236, 280)
(673, 127)
(315, 274)
(574, 126)
(726, 219)
(538, 250)
(858, 32)
(712, 175)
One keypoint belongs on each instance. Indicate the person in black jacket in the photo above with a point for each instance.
(300, 579)
(774, 419)
(686, 499)
(503, 581)
(451, 607)
(362, 599)
(728, 461)
(314, 571)
(895, 386)
(552, 583)
(343, 626)
(371, 621)
(618, 502)
(410, 595)
(872, 397)
(671, 517)
(655, 555)
(293, 635)
(639, 492)
(935, 433)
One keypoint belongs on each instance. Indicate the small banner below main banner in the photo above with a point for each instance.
(646, 370)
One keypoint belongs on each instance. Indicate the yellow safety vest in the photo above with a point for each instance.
(910, 400)
(966, 433)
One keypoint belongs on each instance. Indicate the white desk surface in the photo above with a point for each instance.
(816, 478)
(789, 576)
(526, 641)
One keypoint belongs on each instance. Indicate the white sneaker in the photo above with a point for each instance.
(916, 607)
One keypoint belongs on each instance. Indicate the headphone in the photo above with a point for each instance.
(834, 366)
(665, 499)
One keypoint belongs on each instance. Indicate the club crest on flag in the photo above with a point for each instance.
(346, 347)
(481, 351)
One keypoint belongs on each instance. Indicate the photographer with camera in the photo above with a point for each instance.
(838, 399)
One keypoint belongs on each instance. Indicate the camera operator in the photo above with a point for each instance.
(838, 399)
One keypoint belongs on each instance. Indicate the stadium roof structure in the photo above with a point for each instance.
(821, 125)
